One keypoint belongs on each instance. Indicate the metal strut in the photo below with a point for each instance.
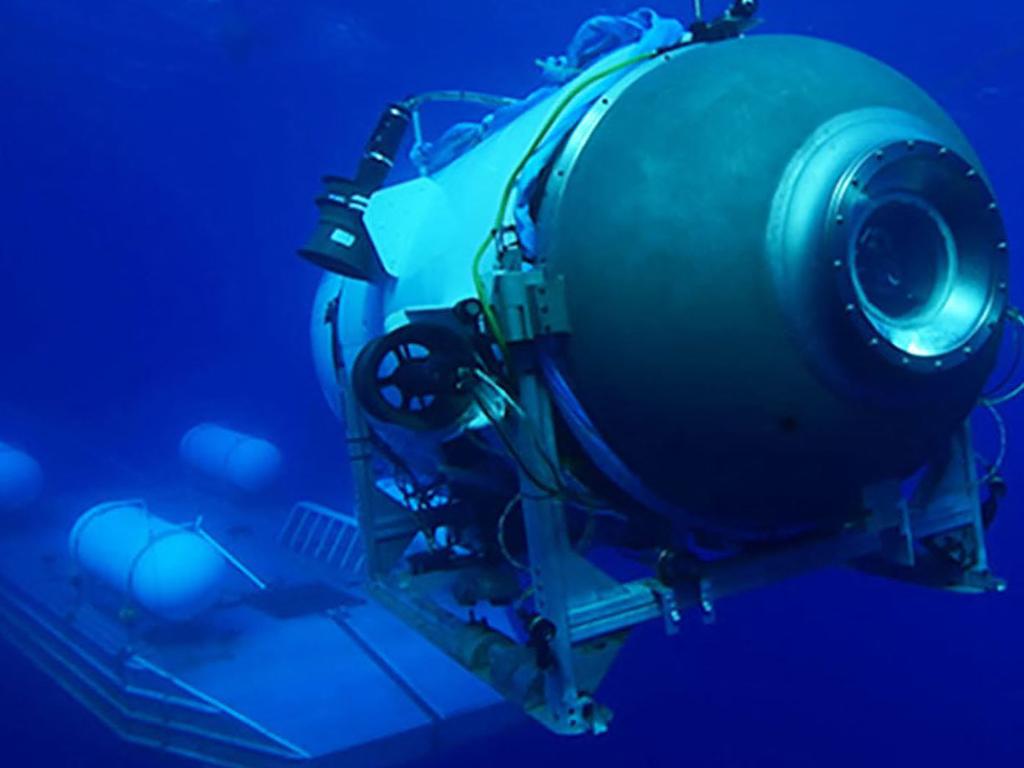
(575, 601)
(582, 616)
(385, 525)
(547, 538)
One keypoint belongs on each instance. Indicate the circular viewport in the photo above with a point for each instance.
(905, 274)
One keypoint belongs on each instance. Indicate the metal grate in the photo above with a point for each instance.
(326, 536)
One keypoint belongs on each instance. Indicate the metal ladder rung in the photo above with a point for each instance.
(324, 535)
(298, 529)
(334, 548)
(310, 533)
(287, 525)
(352, 542)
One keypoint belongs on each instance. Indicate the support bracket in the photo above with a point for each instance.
(530, 304)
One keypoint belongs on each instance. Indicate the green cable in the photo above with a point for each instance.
(559, 110)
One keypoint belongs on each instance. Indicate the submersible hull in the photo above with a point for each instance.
(785, 274)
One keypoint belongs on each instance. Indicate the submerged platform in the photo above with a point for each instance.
(309, 670)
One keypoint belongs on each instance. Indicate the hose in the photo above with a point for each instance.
(1015, 366)
(992, 403)
(559, 488)
(502, 544)
(1013, 394)
(997, 465)
(563, 104)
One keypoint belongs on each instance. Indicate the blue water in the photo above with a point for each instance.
(158, 159)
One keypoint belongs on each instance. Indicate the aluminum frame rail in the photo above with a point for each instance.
(584, 614)
(137, 699)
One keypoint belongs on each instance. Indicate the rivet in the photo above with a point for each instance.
(905, 361)
(840, 219)
(993, 206)
(838, 263)
(943, 151)
(1003, 247)
(850, 308)
(855, 182)
(1004, 287)
(968, 350)
(874, 343)
(971, 173)
(938, 363)
(911, 144)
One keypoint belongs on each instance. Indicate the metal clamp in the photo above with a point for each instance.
(530, 304)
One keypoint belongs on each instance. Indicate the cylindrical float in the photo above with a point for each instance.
(243, 461)
(21, 478)
(169, 570)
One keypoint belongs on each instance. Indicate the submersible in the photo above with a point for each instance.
(713, 303)
(784, 273)
(785, 277)
(712, 296)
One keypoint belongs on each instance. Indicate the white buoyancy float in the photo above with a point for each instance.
(171, 571)
(21, 478)
(241, 460)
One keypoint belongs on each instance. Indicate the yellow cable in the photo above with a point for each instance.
(549, 124)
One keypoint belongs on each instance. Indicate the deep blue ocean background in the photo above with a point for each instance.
(158, 160)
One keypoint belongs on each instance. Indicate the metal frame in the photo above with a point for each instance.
(140, 701)
(583, 614)
(550, 555)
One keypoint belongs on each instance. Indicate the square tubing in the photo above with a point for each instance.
(547, 537)
(360, 455)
